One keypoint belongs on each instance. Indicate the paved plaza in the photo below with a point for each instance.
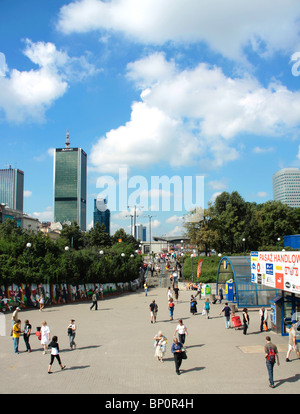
(115, 353)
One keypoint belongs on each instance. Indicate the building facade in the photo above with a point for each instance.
(70, 185)
(286, 187)
(140, 232)
(102, 214)
(12, 188)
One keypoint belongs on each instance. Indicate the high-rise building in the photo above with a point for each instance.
(12, 188)
(286, 186)
(70, 185)
(102, 214)
(140, 232)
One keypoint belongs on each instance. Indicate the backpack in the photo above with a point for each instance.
(271, 355)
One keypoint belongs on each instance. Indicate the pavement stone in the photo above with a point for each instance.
(115, 353)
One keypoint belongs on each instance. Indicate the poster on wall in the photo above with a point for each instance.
(280, 270)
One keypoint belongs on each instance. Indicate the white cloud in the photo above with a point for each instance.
(46, 215)
(177, 231)
(260, 150)
(217, 185)
(197, 113)
(27, 193)
(242, 23)
(174, 219)
(26, 95)
(3, 65)
(262, 194)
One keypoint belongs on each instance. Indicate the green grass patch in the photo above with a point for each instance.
(209, 269)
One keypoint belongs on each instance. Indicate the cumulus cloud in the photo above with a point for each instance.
(26, 95)
(46, 215)
(197, 113)
(27, 193)
(243, 24)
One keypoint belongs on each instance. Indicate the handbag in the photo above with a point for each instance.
(183, 355)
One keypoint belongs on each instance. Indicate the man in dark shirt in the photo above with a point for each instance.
(271, 354)
(227, 312)
(153, 311)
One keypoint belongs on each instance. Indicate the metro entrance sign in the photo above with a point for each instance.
(279, 270)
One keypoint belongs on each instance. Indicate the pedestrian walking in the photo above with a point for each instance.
(71, 333)
(293, 345)
(26, 335)
(177, 351)
(207, 307)
(176, 293)
(94, 300)
(170, 296)
(271, 355)
(263, 318)
(146, 288)
(221, 297)
(199, 288)
(45, 336)
(16, 331)
(246, 321)
(160, 346)
(181, 329)
(227, 311)
(41, 302)
(193, 305)
(55, 354)
(153, 311)
(171, 308)
(14, 318)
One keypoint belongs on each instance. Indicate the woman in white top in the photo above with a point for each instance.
(182, 331)
(160, 346)
(45, 336)
(72, 333)
(55, 354)
(170, 296)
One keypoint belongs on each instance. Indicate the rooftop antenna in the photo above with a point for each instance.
(68, 139)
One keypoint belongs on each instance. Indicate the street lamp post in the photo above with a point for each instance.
(278, 240)
(101, 252)
(244, 245)
(192, 255)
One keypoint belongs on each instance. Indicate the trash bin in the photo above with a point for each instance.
(205, 290)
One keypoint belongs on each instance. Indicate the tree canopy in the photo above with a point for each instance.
(230, 219)
(28, 257)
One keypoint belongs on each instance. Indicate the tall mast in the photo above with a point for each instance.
(68, 139)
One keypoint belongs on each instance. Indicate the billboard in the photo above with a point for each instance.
(279, 270)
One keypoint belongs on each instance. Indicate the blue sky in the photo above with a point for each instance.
(159, 87)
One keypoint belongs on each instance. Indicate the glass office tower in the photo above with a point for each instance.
(70, 186)
(286, 186)
(102, 214)
(12, 188)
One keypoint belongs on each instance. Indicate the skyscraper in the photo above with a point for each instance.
(102, 214)
(286, 186)
(12, 188)
(140, 232)
(70, 185)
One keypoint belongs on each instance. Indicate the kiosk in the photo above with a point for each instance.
(285, 311)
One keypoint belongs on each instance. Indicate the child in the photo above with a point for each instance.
(54, 353)
(171, 308)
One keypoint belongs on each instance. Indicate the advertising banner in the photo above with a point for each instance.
(279, 270)
(199, 268)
